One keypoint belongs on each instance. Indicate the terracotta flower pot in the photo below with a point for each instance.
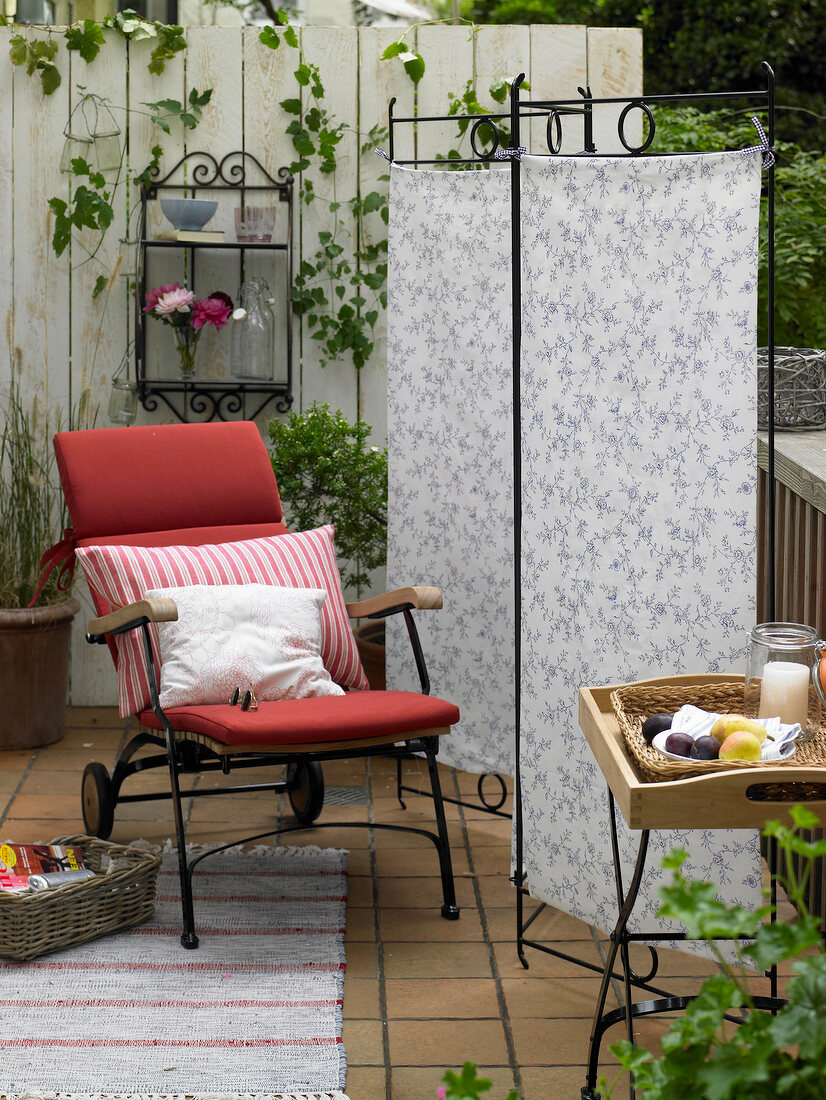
(34, 673)
(371, 647)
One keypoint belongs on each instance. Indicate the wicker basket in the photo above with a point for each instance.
(633, 704)
(123, 894)
(799, 388)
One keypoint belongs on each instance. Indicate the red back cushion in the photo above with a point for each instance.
(122, 481)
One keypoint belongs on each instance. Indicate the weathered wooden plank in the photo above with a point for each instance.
(379, 82)
(6, 222)
(559, 66)
(145, 87)
(335, 51)
(615, 69)
(41, 279)
(99, 326)
(448, 56)
(268, 79)
(214, 60)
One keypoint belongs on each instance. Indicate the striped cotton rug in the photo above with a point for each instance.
(254, 1012)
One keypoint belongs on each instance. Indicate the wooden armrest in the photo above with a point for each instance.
(134, 614)
(422, 598)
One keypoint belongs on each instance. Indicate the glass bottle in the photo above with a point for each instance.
(251, 337)
(783, 676)
(267, 302)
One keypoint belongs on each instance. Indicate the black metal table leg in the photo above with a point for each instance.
(618, 942)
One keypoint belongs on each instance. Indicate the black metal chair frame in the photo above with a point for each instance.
(184, 756)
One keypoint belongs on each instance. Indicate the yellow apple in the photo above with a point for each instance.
(728, 723)
(740, 745)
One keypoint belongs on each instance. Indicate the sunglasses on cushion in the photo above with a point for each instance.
(246, 699)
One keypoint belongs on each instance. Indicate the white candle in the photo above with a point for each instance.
(784, 692)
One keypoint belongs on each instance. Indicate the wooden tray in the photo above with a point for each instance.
(725, 799)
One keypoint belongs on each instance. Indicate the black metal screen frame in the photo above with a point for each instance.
(554, 111)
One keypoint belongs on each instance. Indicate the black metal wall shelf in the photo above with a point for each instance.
(221, 398)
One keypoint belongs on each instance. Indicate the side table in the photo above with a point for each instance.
(732, 799)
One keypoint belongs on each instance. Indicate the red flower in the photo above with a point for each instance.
(154, 296)
(214, 310)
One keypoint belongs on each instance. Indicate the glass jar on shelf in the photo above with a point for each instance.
(784, 675)
(251, 337)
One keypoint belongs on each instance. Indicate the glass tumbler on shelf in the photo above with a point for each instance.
(783, 675)
(254, 224)
(251, 337)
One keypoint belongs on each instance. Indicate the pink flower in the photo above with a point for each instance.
(174, 301)
(441, 1093)
(214, 310)
(154, 296)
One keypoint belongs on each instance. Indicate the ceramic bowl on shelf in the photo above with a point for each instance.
(188, 214)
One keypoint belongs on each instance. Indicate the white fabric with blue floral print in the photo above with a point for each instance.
(450, 429)
(639, 286)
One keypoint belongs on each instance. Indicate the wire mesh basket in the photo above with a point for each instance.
(799, 388)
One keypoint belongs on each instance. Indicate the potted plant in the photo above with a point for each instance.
(766, 1056)
(327, 472)
(34, 640)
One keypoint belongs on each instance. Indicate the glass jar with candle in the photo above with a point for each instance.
(783, 675)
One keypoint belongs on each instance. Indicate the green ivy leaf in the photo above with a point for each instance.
(269, 37)
(393, 50)
(86, 37)
(100, 285)
(292, 106)
(18, 49)
(290, 37)
(50, 78)
(303, 75)
(373, 201)
(413, 66)
(499, 90)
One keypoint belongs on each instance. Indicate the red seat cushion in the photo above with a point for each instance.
(348, 717)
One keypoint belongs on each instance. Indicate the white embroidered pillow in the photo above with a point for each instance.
(242, 635)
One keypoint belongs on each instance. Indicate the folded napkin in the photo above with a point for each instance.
(780, 738)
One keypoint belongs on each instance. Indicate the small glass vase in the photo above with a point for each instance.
(186, 341)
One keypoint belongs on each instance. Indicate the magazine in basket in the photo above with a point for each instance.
(18, 861)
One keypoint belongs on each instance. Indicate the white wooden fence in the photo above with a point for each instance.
(69, 342)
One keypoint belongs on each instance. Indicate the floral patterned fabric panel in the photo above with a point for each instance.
(639, 494)
(449, 386)
(242, 636)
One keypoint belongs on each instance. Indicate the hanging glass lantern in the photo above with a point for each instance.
(76, 146)
(123, 401)
(106, 136)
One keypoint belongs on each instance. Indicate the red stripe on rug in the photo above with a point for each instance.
(219, 1043)
(213, 931)
(260, 874)
(231, 898)
(285, 968)
(103, 1003)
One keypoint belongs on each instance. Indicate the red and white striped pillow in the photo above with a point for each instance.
(120, 575)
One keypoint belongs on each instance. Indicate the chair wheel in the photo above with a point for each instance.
(98, 800)
(305, 787)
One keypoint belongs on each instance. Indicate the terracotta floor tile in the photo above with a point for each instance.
(483, 831)
(352, 839)
(420, 1083)
(436, 960)
(9, 782)
(561, 1082)
(361, 926)
(421, 925)
(553, 998)
(15, 760)
(359, 890)
(361, 999)
(551, 925)
(94, 717)
(541, 965)
(468, 783)
(421, 893)
(385, 838)
(365, 1082)
(362, 961)
(492, 860)
(55, 805)
(415, 861)
(72, 760)
(447, 1042)
(497, 891)
(559, 1042)
(414, 998)
(364, 1039)
(38, 831)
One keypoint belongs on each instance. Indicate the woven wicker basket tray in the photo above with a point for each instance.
(633, 704)
(123, 894)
